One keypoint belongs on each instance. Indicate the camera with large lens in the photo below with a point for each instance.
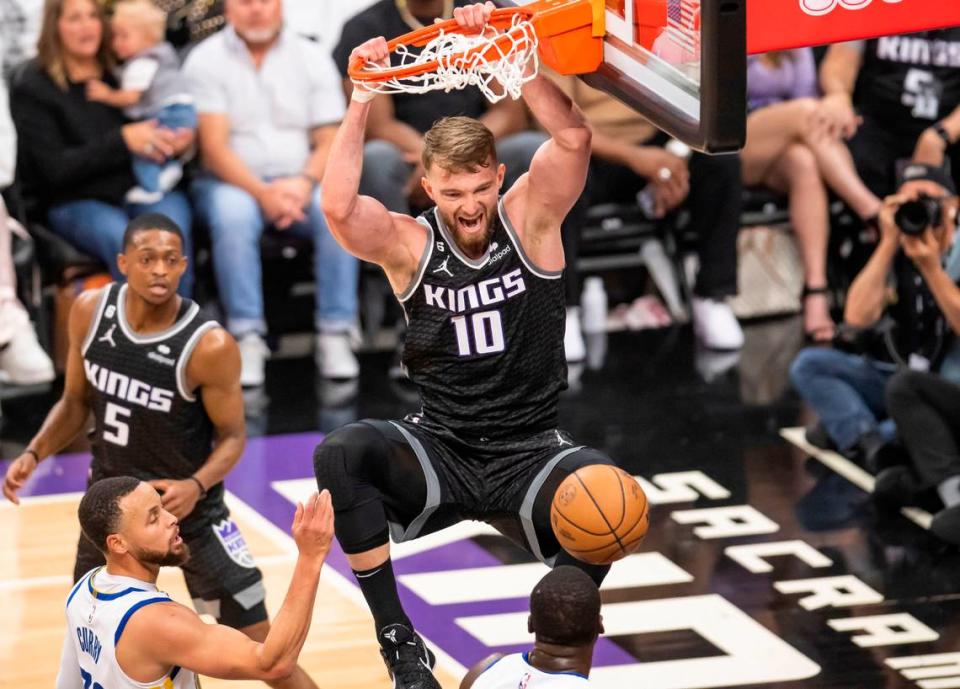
(913, 217)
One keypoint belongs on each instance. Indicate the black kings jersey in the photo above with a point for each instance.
(147, 424)
(484, 339)
(909, 82)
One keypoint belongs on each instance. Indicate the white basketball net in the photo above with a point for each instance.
(497, 77)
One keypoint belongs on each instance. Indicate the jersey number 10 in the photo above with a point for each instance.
(479, 333)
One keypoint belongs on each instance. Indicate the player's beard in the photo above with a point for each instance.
(168, 558)
(475, 243)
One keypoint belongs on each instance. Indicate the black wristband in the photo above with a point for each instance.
(31, 451)
(942, 133)
(203, 491)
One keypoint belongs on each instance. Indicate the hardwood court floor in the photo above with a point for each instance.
(761, 568)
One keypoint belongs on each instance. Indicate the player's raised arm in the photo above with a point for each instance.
(361, 224)
(214, 370)
(69, 415)
(171, 634)
(559, 168)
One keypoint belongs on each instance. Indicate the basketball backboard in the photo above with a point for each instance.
(680, 63)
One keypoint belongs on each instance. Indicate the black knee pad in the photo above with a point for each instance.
(339, 462)
(344, 463)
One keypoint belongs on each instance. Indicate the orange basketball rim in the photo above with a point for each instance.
(570, 35)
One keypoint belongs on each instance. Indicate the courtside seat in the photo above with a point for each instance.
(763, 206)
(60, 261)
(618, 236)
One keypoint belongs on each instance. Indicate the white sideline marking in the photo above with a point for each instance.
(850, 471)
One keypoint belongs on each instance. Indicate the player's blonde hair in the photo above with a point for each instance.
(144, 14)
(459, 144)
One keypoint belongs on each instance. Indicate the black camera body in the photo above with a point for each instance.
(914, 217)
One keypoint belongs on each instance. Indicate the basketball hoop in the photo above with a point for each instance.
(566, 34)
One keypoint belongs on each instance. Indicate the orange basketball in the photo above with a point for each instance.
(599, 514)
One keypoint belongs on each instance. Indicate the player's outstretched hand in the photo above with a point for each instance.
(18, 472)
(313, 525)
(373, 51)
(473, 18)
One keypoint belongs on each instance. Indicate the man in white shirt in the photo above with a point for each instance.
(269, 103)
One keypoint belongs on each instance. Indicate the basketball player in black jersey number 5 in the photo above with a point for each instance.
(164, 388)
(480, 281)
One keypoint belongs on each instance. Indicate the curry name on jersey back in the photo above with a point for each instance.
(98, 609)
(484, 340)
(147, 423)
(515, 672)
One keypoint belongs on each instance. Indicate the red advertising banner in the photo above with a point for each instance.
(783, 24)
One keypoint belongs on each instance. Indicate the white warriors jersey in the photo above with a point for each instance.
(98, 609)
(515, 672)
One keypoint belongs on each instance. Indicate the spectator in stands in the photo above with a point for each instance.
(926, 409)
(151, 88)
(391, 163)
(895, 97)
(19, 28)
(566, 622)
(75, 154)
(846, 389)
(790, 150)
(629, 154)
(269, 103)
(22, 359)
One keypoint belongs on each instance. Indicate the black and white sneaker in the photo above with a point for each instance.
(409, 661)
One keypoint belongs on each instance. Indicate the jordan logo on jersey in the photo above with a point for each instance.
(108, 336)
(486, 293)
(126, 388)
(442, 268)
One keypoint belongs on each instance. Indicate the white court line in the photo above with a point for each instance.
(42, 500)
(343, 585)
(850, 471)
(35, 582)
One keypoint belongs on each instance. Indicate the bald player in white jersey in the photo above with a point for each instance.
(566, 623)
(122, 633)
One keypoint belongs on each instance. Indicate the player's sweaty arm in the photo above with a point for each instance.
(69, 415)
(361, 224)
(215, 365)
(171, 634)
(214, 370)
(559, 168)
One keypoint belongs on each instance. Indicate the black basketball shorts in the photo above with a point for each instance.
(507, 484)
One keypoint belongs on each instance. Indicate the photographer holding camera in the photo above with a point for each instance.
(903, 310)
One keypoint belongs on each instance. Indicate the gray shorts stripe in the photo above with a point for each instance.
(526, 509)
(397, 534)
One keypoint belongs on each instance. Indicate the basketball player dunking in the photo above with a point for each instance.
(480, 281)
(164, 388)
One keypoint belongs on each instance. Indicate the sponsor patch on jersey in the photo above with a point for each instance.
(228, 533)
(161, 359)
